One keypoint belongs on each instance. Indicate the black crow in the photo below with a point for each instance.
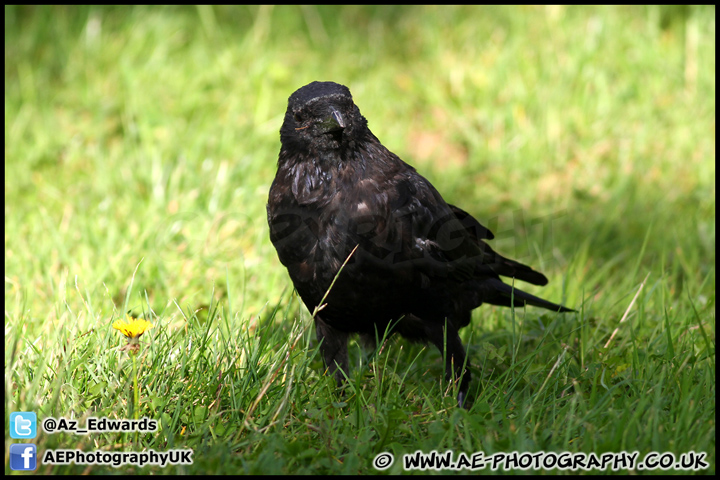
(421, 265)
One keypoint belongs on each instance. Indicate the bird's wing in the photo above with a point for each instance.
(473, 227)
(501, 265)
(449, 235)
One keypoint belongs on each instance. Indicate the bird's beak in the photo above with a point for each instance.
(333, 122)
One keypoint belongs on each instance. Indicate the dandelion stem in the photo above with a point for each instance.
(136, 395)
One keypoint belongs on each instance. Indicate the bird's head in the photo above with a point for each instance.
(321, 117)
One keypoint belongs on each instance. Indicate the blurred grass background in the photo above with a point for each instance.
(140, 143)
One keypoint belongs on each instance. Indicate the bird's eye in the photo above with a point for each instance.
(297, 117)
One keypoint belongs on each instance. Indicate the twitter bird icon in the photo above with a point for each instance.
(23, 425)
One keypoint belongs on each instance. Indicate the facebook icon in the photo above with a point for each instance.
(23, 456)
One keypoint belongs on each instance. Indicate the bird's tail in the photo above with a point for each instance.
(506, 295)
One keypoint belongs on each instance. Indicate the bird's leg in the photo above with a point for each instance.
(333, 345)
(445, 337)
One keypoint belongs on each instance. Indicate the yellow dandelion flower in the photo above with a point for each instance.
(132, 327)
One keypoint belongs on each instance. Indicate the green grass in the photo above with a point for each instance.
(140, 144)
